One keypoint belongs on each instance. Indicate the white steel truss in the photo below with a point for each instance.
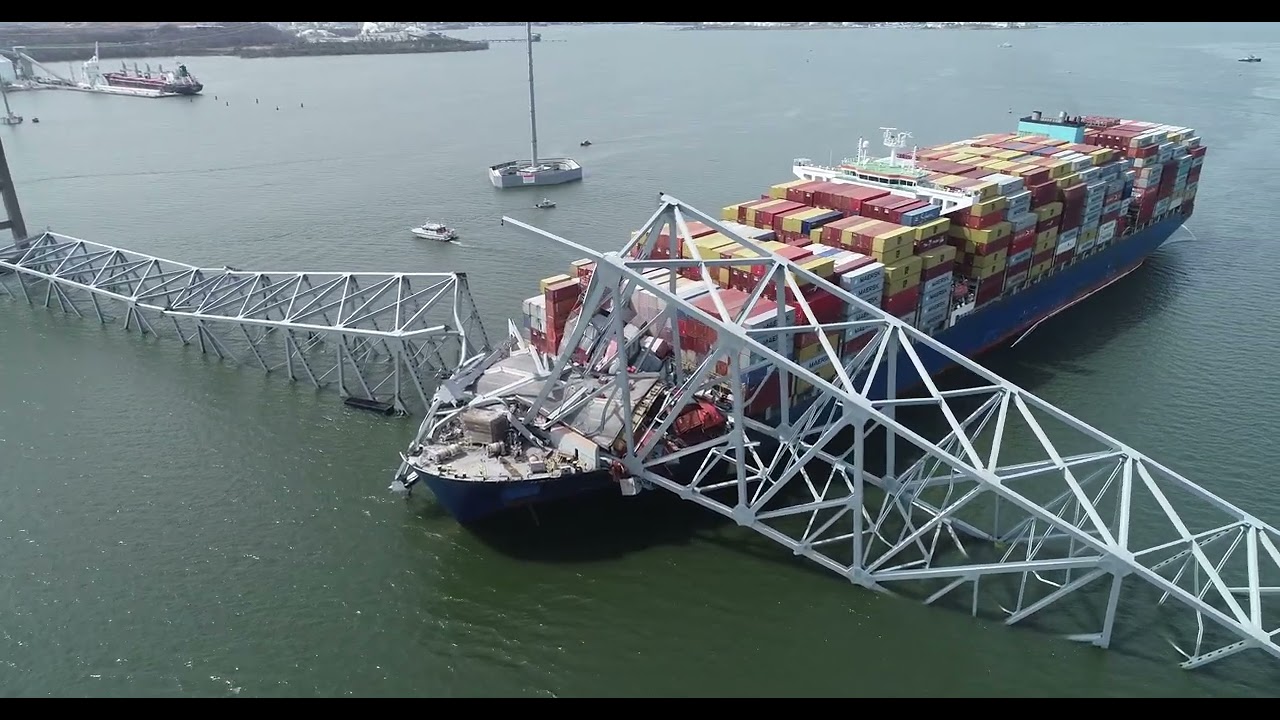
(381, 337)
(1024, 506)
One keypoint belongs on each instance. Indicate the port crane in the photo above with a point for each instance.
(1018, 510)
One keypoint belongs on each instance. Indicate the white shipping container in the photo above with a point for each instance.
(1113, 207)
(1015, 280)
(932, 284)
(1023, 221)
(1162, 206)
(1106, 231)
(1020, 257)
(1064, 246)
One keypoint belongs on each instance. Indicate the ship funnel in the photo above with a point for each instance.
(1035, 115)
(1062, 116)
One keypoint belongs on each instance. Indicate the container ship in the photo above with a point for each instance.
(972, 242)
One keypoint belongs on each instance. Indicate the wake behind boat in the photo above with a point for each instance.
(435, 231)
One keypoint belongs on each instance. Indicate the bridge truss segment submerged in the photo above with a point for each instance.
(381, 337)
(1030, 508)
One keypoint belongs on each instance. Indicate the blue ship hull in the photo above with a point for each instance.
(981, 331)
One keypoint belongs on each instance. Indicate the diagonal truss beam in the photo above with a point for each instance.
(385, 337)
(1012, 497)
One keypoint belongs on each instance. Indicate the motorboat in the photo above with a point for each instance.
(435, 231)
(545, 203)
(1251, 58)
(585, 143)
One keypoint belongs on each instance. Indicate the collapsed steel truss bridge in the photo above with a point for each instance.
(1019, 503)
(382, 339)
(1018, 510)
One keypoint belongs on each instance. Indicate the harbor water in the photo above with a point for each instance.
(171, 526)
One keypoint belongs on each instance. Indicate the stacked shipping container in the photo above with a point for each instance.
(1039, 204)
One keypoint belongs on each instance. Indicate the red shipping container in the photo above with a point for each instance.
(791, 237)
(770, 219)
(831, 231)
(1022, 241)
(945, 268)
(803, 193)
(1036, 177)
(989, 289)
(901, 303)
(1049, 224)
(1042, 256)
(1071, 218)
(1064, 258)
(1043, 193)
(894, 214)
(980, 222)
(1122, 223)
(763, 396)
(850, 198)
(854, 346)
(827, 308)
(696, 230)
(742, 209)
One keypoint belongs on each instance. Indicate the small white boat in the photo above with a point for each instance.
(546, 203)
(435, 231)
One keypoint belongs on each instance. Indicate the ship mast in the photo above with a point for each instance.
(533, 113)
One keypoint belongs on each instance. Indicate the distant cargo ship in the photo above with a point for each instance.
(972, 242)
(139, 83)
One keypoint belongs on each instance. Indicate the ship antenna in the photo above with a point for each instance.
(533, 113)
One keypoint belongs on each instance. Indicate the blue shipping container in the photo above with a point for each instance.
(920, 216)
(807, 226)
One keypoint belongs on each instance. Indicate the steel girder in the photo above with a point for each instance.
(378, 336)
(1066, 517)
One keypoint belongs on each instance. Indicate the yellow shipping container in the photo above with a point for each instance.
(730, 212)
(1101, 156)
(708, 246)
(893, 255)
(986, 207)
(930, 259)
(1087, 235)
(779, 191)
(1048, 211)
(930, 229)
(902, 274)
(957, 157)
(548, 282)
(1050, 236)
(985, 190)
(822, 267)
(997, 259)
(1001, 165)
(986, 271)
(1006, 154)
(1042, 244)
(1067, 181)
(793, 222)
(810, 351)
(987, 163)
(1040, 268)
(1058, 168)
(982, 237)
